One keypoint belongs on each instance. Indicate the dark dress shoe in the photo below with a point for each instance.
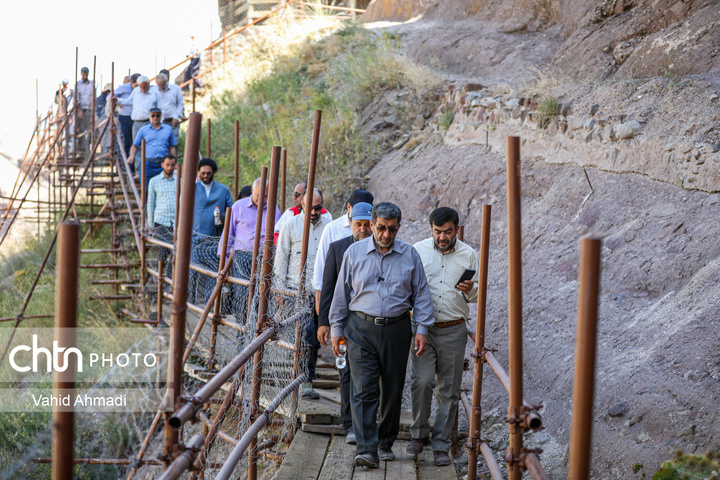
(416, 445)
(441, 458)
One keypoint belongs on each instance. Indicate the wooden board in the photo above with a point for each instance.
(325, 383)
(304, 458)
(363, 473)
(330, 373)
(326, 429)
(403, 468)
(428, 471)
(340, 460)
(322, 412)
(332, 395)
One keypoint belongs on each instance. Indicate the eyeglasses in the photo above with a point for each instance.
(381, 229)
(154, 115)
(317, 208)
(296, 194)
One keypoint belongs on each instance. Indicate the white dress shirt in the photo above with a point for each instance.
(289, 248)
(337, 229)
(443, 270)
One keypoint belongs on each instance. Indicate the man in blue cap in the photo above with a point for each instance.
(360, 217)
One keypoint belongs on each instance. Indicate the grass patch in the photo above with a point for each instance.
(446, 119)
(549, 107)
(340, 74)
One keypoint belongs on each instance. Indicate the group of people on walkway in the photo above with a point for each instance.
(382, 298)
(385, 299)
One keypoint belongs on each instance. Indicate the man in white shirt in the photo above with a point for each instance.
(444, 259)
(287, 269)
(337, 229)
(142, 99)
(171, 102)
(296, 209)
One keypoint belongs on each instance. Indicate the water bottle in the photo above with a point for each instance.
(217, 216)
(341, 360)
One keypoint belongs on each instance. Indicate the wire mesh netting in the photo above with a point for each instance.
(230, 412)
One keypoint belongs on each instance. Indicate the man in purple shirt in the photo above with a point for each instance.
(241, 238)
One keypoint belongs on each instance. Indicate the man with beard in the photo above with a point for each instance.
(161, 204)
(287, 269)
(381, 279)
(209, 196)
(360, 224)
(444, 259)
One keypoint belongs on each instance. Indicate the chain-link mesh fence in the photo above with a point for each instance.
(230, 412)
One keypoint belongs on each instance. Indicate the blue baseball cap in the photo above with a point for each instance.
(361, 211)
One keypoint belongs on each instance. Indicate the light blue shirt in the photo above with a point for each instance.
(381, 285)
(171, 102)
(157, 141)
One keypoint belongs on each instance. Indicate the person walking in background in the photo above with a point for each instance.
(142, 99)
(210, 196)
(161, 204)
(101, 113)
(85, 91)
(444, 259)
(171, 102)
(381, 279)
(287, 269)
(296, 209)
(360, 226)
(124, 113)
(242, 235)
(337, 229)
(159, 141)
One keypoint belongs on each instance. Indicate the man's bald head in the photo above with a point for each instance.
(256, 191)
(127, 79)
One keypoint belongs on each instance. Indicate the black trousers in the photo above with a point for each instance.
(378, 355)
(345, 393)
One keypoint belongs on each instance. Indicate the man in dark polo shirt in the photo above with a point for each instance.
(381, 279)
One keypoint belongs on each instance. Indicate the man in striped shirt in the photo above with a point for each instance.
(161, 203)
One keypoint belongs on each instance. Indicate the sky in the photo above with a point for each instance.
(39, 40)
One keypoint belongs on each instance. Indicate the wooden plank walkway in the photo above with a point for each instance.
(319, 451)
(316, 456)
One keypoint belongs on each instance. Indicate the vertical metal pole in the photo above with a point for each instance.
(585, 346)
(159, 293)
(207, 149)
(218, 300)
(236, 180)
(91, 193)
(143, 231)
(75, 110)
(178, 186)
(192, 88)
(264, 299)
(461, 233)
(476, 412)
(180, 281)
(298, 352)
(514, 306)
(283, 183)
(66, 295)
(256, 245)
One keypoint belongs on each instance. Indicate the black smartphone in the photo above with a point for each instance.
(468, 274)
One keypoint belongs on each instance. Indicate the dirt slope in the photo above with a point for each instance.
(658, 376)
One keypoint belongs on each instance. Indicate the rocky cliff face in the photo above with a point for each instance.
(600, 39)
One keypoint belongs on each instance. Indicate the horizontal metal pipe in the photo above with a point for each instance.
(534, 468)
(25, 317)
(99, 461)
(187, 411)
(184, 460)
(255, 428)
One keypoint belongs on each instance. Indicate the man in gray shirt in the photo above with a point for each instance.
(381, 279)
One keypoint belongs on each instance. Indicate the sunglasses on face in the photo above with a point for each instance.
(381, 229)
(296, 194)
(154, 115)
(317, 208)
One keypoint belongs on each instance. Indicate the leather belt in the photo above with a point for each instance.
(382, 321)
(451, 323)
(157, 160)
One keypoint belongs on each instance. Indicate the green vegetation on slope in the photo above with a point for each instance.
(340, 75)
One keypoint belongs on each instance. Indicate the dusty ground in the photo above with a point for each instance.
(658, 369)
